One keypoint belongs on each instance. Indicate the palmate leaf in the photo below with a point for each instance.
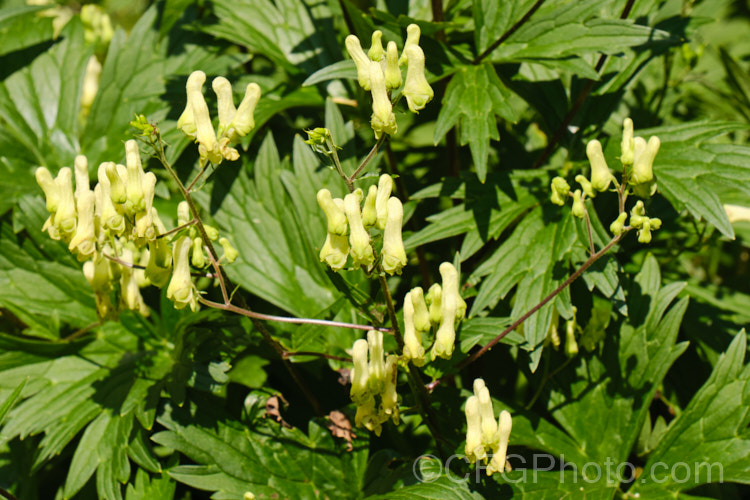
(601, 401)
(473, 99)
(435, 484)
(231, 459)
(710, 438)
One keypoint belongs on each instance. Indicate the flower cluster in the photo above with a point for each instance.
(234, 123)
(637, 158)
(446, 308)
(349, 217)
(374, 383)
(115, 229)
(379, 71)
(483, 433)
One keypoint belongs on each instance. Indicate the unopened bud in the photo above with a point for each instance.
(49, 186)
(560, 189)
(412, 39)
(627, 146)
(359, 238)
(392, 71)
(578, 209)
(376, 52)
(617, 226)
(394, 254)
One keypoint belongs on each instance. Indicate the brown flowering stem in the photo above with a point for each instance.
(366, 161)
(177, 229)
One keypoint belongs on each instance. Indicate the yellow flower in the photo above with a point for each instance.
(383, 120)
(360, 371)
(413, 349)
(369, 212)
(416, 89)
(50, 188)
(394, 254)
(181, 289)
(359, 238)
(500, 450)
(412, 39)
(360, 60)
(376, 47)
(334, 213)
(473, 448)
(385, 186)
(600, 174)
(392, 71)
(627, 146)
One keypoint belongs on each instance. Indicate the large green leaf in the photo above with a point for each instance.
(22, 28)
(475, 97)
(709, 441)
(601, 401)
(435, 483)
(267, 460)
(492, 19)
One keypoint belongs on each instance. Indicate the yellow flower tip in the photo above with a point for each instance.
(248, 496)
(201, 120)
(638, 215)
(225, 101)
(81, 169)
(359, 238)
(588, 190)
(361, 61)
(181, 289)
(392, 71)
(500, 450)
(416, 89)
(360, 371)
(159, 266)
(49, 186)
(197, 256)
(117, 189)
(488, 424)
(136, 197)
(383, 120)
(389, 397)
(394, 254)
(413, 349)
(335, 216)
(335, 251)
(600, 174)
(144, 224)
(627, 146)
(445, 338)
(473, 449)
(560, 189)
(385, 187)
(571, 345)
(244, 119)
(412, 38)
(376, 52)
(186, 121)
(449, 274)
(644, 233)
(578, 209)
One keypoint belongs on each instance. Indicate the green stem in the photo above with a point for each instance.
(367, 160)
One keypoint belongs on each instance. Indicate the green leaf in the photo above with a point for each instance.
(543, 485)
(711, 435)
(146, 488)
(345, 70)
(435, 485)
(602, 400)
(270, 460)
(492, 19)
(473, 99)
(275, 259)
(10, 401)
(22, 28)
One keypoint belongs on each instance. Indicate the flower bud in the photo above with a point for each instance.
(385, 186)
(579, 209)
(643, 171)
(50, 188)
(644, 233)
(571, 345)
(131, 294)
(416, 89)
(434, 294)
(627, 146)
(136, 201)
(186, 121)
(473, 449)
(360, 60)
(369, 212)
(198, 258)
(394, 254)
(412, 39)
(109, 217)
(421, 314)
(487, 415)
(359, 239)
(204, 134)
(225, 103)
(181, 289)
(588, 190)
(376, 52)
(334, 214)
(230, 253)
(445, 337)
(390, 394)
(183, 213)
(477, 386)
(413, 349)
(360, 372)
(450, 288)
(638, 215)
(560, 189)
(244, 119)
(96, 272)
(65, 217)
(600, 174)
(499, 451)
(81, 169)
(392, 71)
(383, 120)
(617, 226)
